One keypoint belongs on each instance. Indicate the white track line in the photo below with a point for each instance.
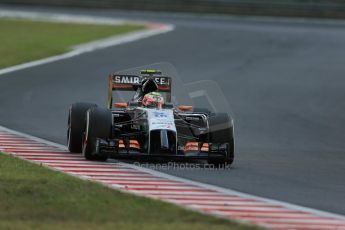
(151, 30)
(192, 195)
(58, 17)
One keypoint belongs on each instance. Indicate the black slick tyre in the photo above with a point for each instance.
(98, 125)
(76, 125)
(222, 131)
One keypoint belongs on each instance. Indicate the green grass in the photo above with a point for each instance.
(34, 197)
(22, 41)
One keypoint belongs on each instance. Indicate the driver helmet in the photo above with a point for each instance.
(149, 85)
(154, 100)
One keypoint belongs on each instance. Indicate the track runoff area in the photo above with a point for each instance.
(152, 184)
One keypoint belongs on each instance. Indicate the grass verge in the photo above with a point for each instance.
(34, 197)
(22, 41)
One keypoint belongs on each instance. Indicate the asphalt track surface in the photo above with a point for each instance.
(283, 79)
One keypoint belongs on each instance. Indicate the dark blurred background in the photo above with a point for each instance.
(294, 8)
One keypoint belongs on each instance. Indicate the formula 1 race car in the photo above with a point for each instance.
(149, 125)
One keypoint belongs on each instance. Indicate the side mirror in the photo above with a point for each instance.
(120, 105)
(185, 108)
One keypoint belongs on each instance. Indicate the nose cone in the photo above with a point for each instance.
(163, 142)
(164, 139)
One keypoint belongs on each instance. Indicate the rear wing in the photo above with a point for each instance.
(120, 82)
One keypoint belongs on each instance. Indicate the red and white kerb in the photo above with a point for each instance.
(149, 183)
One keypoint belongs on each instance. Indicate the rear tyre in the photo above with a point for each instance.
(98, 125)
(76, 125)
(222, 131)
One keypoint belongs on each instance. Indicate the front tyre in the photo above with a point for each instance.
(98, 125)
(76, 125)
(222, 131)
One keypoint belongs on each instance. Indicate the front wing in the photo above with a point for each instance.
(132, 150)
